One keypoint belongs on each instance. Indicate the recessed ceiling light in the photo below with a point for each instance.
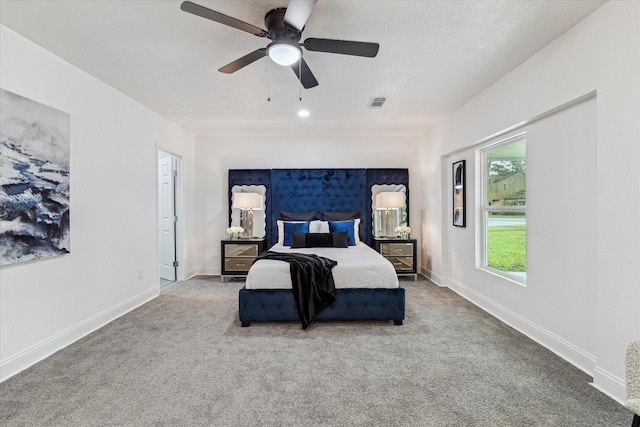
(303, 113)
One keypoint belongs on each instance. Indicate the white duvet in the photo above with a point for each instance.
(358, 267)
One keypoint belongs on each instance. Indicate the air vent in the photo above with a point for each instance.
(377, 102)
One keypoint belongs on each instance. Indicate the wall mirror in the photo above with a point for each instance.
(248, 209)
(389, 207)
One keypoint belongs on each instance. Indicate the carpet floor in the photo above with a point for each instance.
(183, 360)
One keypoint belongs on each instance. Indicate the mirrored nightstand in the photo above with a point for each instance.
(238, 255)
(400, 253)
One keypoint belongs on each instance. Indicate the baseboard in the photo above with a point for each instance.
(435, 278)
(191, 274)
(46, 348)
(569, 352)
(208, 272)
(610, 385)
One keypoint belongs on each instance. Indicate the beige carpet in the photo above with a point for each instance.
(183, 360)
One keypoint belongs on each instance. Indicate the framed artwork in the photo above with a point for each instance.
(34, 180)
(459, 194)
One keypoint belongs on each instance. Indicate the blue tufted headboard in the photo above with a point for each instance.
(304, 190)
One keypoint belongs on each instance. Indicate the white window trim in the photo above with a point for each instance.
(484, 209)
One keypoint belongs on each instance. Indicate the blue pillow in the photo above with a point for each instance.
(339, 226)
(301, 227)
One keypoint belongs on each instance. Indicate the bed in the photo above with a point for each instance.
(366, 285)
(325, 192)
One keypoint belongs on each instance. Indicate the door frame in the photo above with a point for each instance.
(180, 272)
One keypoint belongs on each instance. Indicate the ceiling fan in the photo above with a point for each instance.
(284, 29)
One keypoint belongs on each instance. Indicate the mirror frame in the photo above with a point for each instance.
(400, 217)
(259, 216)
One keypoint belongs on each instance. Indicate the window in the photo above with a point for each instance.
(504, 216)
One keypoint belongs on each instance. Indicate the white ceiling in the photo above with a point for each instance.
(434, 56)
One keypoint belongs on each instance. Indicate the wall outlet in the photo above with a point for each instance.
(218, 247)
(140, 275)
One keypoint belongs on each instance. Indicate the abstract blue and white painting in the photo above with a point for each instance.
(34, 180)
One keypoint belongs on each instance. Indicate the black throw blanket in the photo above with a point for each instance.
(311, 281)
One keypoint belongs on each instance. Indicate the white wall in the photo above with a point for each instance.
(561, 230)
(47, 304)
(217, 154)
(589, 312)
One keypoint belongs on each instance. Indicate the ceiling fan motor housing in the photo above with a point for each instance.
(280, 30)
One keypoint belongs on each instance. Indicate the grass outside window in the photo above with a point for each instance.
(507, 248)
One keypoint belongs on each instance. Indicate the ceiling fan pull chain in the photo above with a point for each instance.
(300, 74)
(268, 80)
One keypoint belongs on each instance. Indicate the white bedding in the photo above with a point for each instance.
(358, 267)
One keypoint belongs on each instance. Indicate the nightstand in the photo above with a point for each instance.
(400, 253)
(237, 256)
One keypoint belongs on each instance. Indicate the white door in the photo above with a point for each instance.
(167, 215)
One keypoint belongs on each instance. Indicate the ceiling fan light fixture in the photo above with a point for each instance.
(284, 53)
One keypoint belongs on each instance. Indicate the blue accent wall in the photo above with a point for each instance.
(304, 190)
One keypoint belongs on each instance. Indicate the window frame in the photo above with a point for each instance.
(486, 207)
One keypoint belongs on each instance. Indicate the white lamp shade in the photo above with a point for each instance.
(284, 53)
(247, 201)
(390, 200)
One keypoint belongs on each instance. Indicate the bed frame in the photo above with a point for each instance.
(335, 190)
(272, 305)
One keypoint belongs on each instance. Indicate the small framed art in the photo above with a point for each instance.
(459, 194)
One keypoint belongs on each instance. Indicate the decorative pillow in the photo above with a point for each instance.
(302, 227)
(318, 226)
(318, 240)
(298, 216)
(339, 216)
(340, 239)
(280, 224)
(298, 239)
(348, 226)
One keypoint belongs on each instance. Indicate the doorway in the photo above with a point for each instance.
(168, 174)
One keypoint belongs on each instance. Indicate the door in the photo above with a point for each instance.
(167, 176)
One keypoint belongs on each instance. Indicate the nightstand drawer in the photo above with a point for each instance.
(237, 264)
(241, 250)
(396, 249)
(404, 263)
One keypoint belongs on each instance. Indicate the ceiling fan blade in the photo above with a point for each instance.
(244, 61)
(204, 12)
(343, 47)
(308, 80)
(298, 12)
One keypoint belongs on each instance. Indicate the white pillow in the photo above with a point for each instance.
(318, 226)
(356, 230)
